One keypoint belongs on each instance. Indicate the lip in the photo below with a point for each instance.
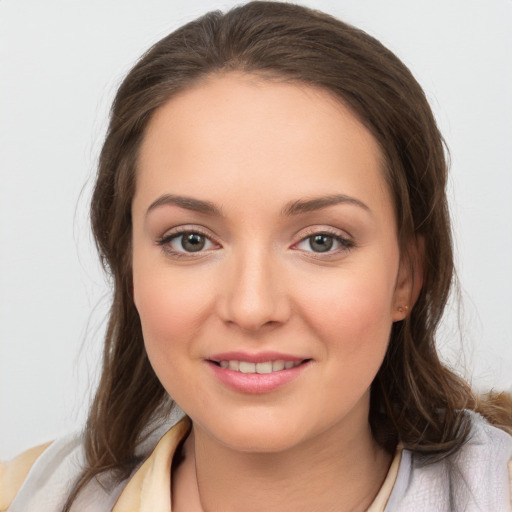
(256, 383)
(259, 357)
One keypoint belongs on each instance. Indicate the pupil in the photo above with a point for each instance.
(321, 243)
(193, 242)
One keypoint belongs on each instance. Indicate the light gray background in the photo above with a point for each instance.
(60, 62)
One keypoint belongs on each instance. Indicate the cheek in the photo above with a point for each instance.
(170, 311)
(172, 307)
(351, 313)
(348, 314)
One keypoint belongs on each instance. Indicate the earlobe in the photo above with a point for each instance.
(409, 280)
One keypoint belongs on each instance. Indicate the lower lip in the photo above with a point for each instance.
(256, 383)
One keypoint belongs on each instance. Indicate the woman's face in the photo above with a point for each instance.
(266, 267)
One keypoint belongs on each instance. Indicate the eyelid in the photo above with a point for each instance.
(344, 239)
(178, 231)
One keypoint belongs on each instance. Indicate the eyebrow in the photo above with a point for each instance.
(188, 203)
(294, 208)
(318, 203)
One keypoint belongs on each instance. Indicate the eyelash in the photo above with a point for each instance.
(345, 243)
(164, 242)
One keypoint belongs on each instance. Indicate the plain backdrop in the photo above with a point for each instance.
(60, 63)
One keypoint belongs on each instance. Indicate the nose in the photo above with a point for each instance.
(254, 295)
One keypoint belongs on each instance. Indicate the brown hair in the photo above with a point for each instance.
(415, 399)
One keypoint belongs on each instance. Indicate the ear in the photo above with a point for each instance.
(409, 280)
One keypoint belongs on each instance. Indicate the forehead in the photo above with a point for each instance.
(237, 132)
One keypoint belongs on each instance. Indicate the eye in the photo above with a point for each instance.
(186, 242)
(324, 243)
(321, 242)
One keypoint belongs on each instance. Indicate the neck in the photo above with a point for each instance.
(339, 470)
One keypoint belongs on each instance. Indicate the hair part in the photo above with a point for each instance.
(415, 399)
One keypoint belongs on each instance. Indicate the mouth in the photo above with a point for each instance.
(263, 367)
(257, 374)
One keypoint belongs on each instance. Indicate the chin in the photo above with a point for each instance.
(256, 433)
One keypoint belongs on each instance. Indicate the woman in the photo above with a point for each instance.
(270, 204)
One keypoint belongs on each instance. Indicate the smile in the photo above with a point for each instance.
(257, 373)
(263, 367)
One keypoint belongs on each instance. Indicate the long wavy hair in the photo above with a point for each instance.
(415, 399)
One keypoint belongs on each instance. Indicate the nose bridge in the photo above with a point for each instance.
(253, 295)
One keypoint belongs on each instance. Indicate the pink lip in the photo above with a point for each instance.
(255, 383)
(260, 357)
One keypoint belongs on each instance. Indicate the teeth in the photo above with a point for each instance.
(277, 366)
(233, 365)
(264, 367)
(246, 367)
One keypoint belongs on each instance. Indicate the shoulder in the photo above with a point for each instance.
(40, 479)
(14, 472)
(47, 469)
(476, 477)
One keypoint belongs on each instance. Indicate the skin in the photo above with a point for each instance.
(252, 147)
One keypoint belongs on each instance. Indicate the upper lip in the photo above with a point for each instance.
(259, 357)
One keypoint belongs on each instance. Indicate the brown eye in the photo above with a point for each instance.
(186, 242)
(321, 242)
(325, 242)
(192, 242)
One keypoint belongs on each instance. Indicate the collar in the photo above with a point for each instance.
(149, 488)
